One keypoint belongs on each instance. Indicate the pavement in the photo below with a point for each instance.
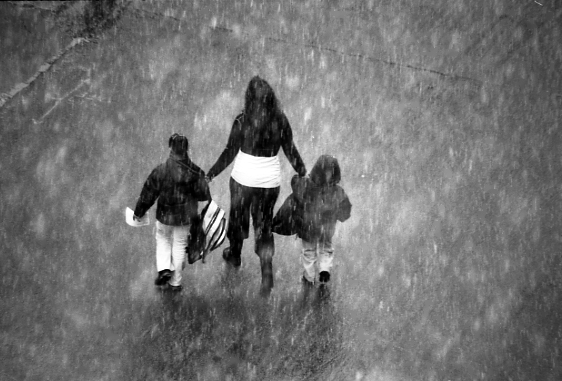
(443, 115)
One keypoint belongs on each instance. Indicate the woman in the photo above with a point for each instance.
(255, 138)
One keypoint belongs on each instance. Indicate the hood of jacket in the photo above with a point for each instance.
(181, 169)
(326, 171)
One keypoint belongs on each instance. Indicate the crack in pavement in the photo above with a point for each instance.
(332, 50)
(59, 100)
(5, 97)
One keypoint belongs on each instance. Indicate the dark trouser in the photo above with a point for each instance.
(258, 202)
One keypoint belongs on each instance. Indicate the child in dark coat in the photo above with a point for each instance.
(322, 202)
(176, 187)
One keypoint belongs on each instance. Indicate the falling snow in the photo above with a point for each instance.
(444, 116)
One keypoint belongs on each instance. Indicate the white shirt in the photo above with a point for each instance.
(257, 171)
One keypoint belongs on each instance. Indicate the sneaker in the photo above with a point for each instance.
(324, 277)
(234, 261)
(163, 277)
(176, 288)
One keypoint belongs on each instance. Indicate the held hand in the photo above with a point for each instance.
(135, 218)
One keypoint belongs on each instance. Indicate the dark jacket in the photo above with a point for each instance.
(178, 184)
(263, 142)
(322, 202)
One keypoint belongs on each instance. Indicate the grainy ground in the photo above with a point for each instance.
(445, 117)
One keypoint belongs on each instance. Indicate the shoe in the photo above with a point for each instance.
(306, 282)
(265, 291)
(234, 261)
(176, 288)
(163, 277)
(324, 277)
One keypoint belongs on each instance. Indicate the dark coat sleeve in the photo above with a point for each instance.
(298, 185)
(230, 151)
(202, 190)
(344, 208)
(150, 192)
(289, 147)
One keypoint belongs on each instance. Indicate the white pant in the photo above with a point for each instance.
(171, 242)
(316, 255)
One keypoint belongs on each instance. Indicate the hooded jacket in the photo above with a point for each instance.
(178, 184)
(321, 200)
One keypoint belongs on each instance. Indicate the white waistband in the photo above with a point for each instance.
(257, 171)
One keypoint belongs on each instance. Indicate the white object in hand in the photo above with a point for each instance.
(131, 221)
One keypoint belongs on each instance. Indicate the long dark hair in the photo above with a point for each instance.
(261, 104)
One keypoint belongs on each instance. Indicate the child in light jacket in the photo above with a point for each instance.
(322, 202)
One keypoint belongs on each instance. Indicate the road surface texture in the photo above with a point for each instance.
(445, 117)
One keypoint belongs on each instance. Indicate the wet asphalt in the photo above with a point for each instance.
(449, 268)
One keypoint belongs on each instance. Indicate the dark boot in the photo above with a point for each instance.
(235, 261)
(266, 276)
(324, 277)
(265, 248)
(163, 277)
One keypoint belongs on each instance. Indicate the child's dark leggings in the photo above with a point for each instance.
(258, 202)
